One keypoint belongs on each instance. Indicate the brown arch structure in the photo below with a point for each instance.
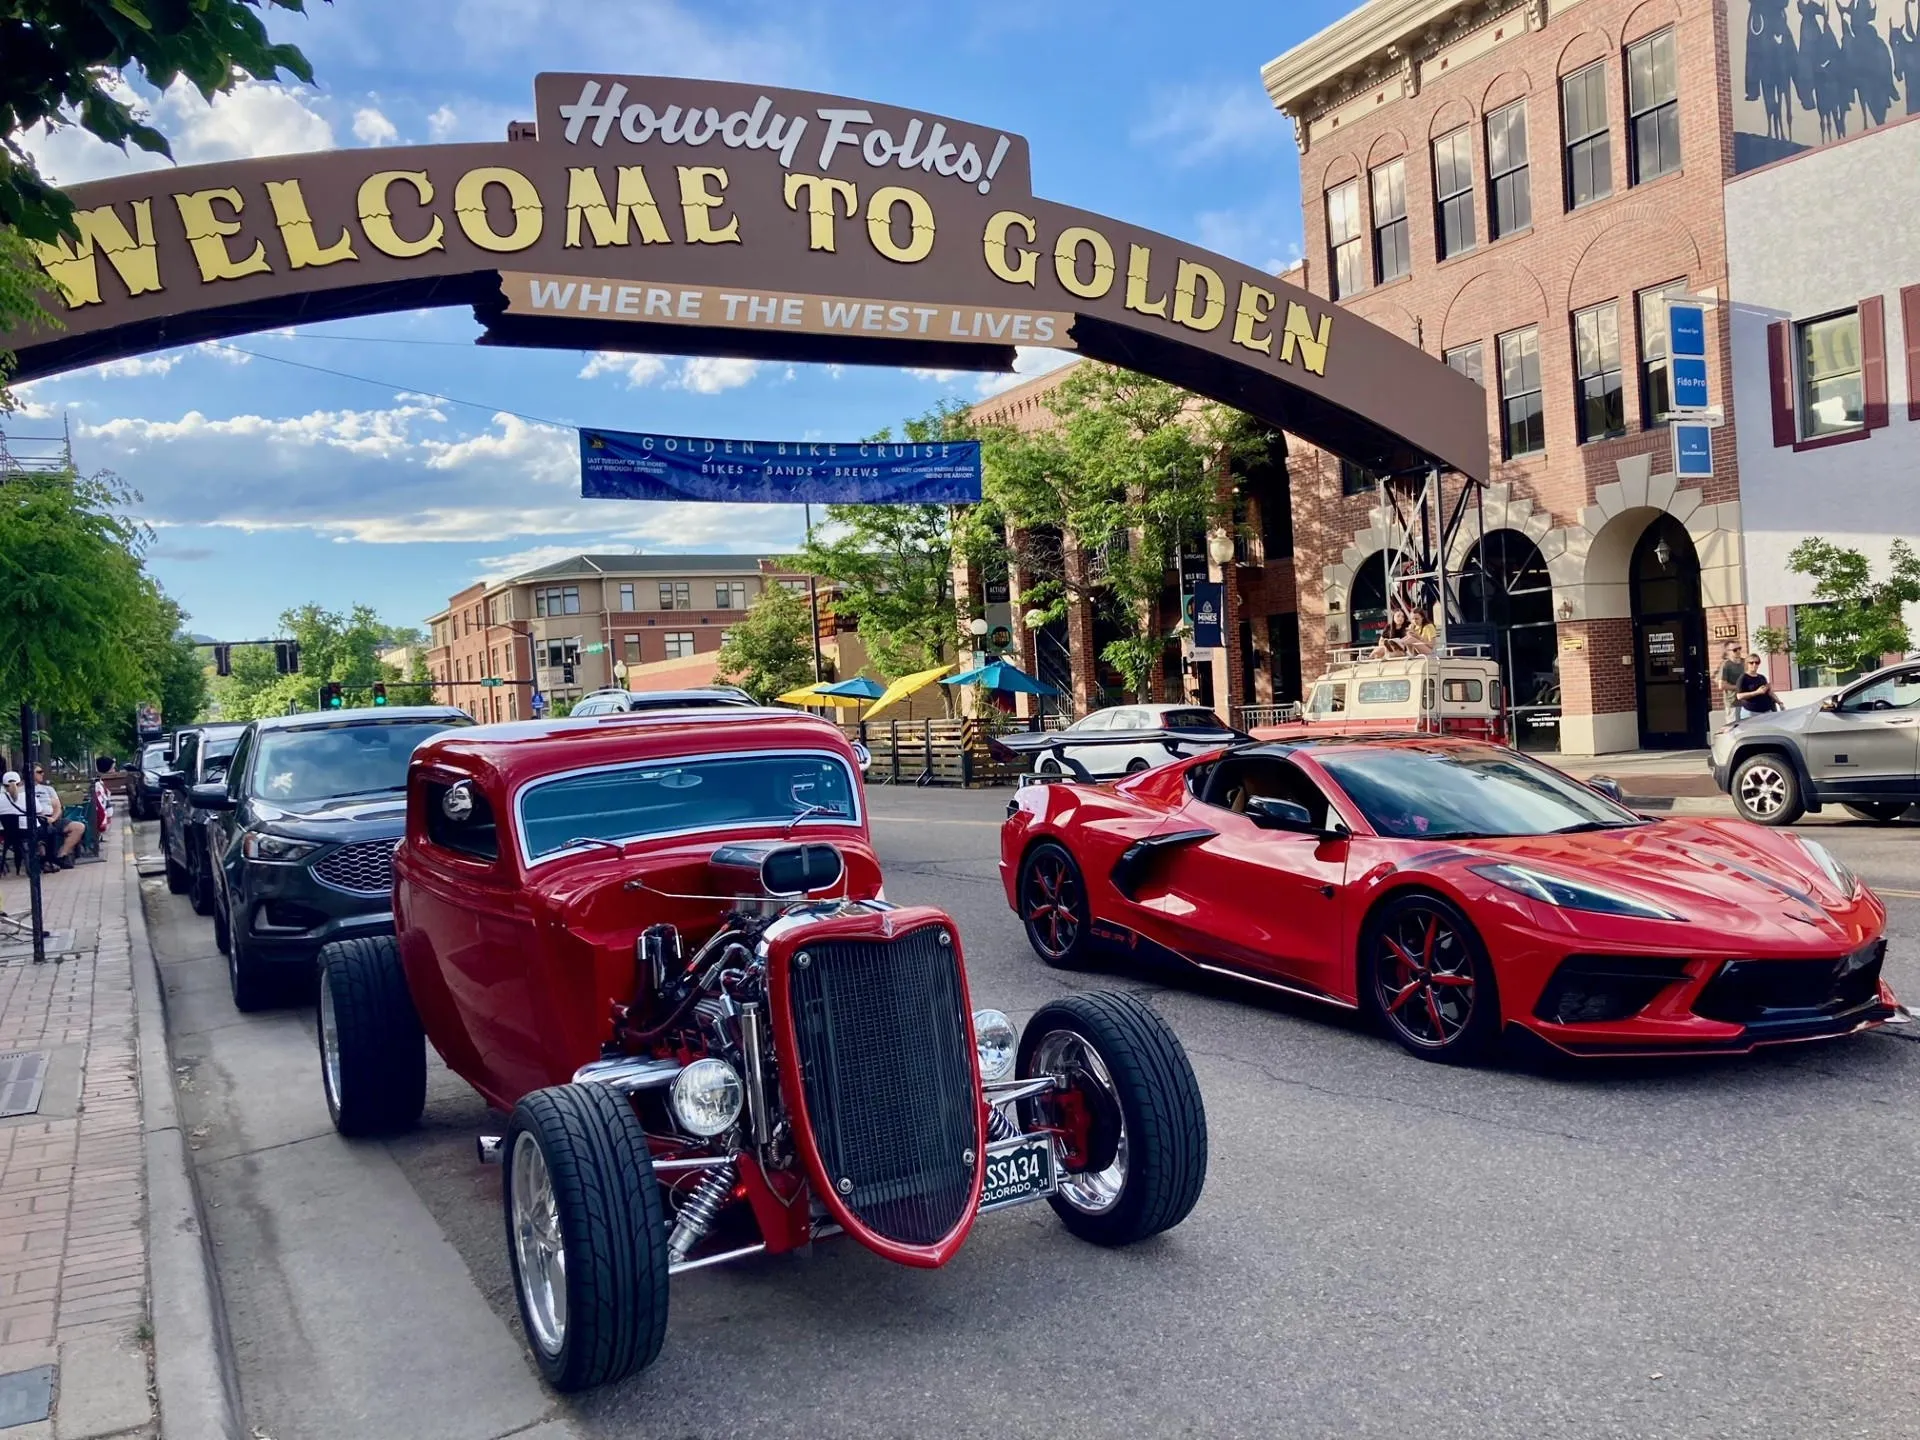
(697, 217)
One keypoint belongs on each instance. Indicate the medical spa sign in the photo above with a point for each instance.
(694, 217)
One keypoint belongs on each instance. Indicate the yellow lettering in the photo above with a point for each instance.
(1138, 259)
(1066, 262)
(1189, 306)
(1020, 272)
(820, 191)
(919, 220)
(296, 229)
(470, 208)
(697, 204)
(1255, 308)
(376, 214)
(133, 256)
(1298, 333)
(207, 233)
(633, 199)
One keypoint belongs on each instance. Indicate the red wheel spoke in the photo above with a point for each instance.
(1458, 982)
(1402, 997)
(1426, 947)
(1412, 965)
(1439, 1025)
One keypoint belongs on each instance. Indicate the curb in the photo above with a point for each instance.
(193, 1366)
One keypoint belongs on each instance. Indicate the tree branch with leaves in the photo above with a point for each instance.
(1854, 620)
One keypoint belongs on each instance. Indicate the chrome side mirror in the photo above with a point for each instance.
(1609, 787)
(863, 757)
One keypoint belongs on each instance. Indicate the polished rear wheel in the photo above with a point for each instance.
(1429, 980)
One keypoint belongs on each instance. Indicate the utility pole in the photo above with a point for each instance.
(813, 604)
(29, 737)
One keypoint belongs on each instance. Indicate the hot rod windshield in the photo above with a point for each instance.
(678, 797)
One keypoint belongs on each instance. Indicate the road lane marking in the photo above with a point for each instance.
(1897, 894)
(918, 820)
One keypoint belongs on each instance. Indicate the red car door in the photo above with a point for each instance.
(1268, 901)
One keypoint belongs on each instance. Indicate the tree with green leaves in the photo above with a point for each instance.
(770, 651)
(1854, 620)
(334, 646)
(59, 60)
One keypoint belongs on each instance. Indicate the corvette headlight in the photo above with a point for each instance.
(707, 1097)
(256, 845)
(993, 1037)
(1564, 894)
(1844, 880)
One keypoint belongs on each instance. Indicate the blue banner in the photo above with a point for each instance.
(622, 465)
(1204, 607)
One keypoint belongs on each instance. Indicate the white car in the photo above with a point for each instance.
(1121, 759)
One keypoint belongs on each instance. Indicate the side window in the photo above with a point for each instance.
(590, 707)
(1265, 777)
(1899, 691)
(237, 766)
(1099, 720)
(187, 755)
(1462, 692)
(472, 833)
(1384, 692)
(1130, 720)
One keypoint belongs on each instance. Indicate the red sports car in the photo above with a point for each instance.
(1451, 888)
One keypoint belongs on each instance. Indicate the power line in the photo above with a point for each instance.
(393, 385)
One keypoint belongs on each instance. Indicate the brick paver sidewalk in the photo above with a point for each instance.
(73, 1264)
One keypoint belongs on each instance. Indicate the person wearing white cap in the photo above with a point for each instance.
(13, 819)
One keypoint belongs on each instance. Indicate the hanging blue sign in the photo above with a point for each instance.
(623, 465)
(1203, 608)
(1692, 451)
(1686, 329)
(1689, 384)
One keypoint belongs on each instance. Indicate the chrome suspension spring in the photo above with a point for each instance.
(703, 1205)
(999, 1127)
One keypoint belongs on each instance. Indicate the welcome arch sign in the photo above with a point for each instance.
(687, 216)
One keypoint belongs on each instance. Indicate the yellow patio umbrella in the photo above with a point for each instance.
(905, 686)
(812, 695)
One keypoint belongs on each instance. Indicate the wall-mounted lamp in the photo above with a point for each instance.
(1220, 549)
(1663, 553)
(1566, 609)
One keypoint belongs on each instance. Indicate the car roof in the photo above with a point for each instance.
(217, 727)
(666, 699)
(369, 714)
(1362, 740)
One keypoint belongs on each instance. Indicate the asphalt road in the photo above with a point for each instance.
(1384, 1248)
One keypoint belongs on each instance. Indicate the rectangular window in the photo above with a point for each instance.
(1453, 193)
(1583, 112)
(1656, 384)
(1470, 361)
(1598, 388)
(572, 594)
(1832, 395)
(679, 644)
(1356, 479)
(1392, 247)
(730, 596)
(1508, 169)
(626, 597)
(676, 595)
(1653, 108)
(1344, 240)
(1523, 416)
(630, 649)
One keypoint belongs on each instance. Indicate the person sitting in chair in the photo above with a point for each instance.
(63, 837)
(13, 820)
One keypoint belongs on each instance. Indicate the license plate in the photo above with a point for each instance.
(1018, 1170)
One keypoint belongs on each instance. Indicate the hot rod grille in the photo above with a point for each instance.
(365, 868)
(885, 1048)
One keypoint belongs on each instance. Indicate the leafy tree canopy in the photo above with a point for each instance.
(1854, 620)
(770, 651)
(334, 646)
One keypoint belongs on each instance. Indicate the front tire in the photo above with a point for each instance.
(178, 878)
(1053, 907)
(1136, 765)
(200, 882)
(1766, 791)
(1426, 975)
(586, 1235)
(1880, 812)
(1134, 1112)
(373, 1054)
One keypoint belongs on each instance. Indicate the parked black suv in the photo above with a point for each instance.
(303, 834)
(200, 757)
(143, 781)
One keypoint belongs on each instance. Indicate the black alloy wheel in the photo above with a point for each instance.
(1053, 907)
(1427, 976)
(1880, 812)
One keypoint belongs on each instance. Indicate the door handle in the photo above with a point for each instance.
(1326, 892)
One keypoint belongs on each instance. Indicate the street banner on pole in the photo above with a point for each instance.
(623, 465)
(1207, 603)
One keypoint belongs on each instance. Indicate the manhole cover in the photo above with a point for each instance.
(22, 1073)
(26, 1396)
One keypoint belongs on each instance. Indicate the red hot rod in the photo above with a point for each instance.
(660, 943)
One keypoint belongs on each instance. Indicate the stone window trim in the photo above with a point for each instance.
(1783, 375)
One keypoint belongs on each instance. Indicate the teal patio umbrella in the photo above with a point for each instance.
(999, 675)
(858, 688)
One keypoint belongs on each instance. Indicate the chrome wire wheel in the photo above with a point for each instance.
(539, 1251)
(1091, 1192)
(1763, 789)
(1049, 904)
(329, 1043)
(1423, 976)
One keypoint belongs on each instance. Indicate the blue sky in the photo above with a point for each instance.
(271, 482)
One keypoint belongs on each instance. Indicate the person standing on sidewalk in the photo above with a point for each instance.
(1732, 670)
(1755, 694)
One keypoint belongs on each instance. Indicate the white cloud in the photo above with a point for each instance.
(370, 127)
(943, 376)
(711, 374)
(1266, 234)
(1028, 361)
(26, 409)
(640, 370)
(134, 365)
(441, 124)
(215, 350)
(1198, 123)
(255, 118)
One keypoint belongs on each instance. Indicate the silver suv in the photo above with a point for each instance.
(1858, 748)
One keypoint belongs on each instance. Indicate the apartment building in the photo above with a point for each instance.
(592, 621)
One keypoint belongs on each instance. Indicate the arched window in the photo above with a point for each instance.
(1367, 600)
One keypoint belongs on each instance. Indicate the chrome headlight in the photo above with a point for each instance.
(706, 1097)
(1564, 894)
(257, 845)
(1844, 880)
(994, 1039)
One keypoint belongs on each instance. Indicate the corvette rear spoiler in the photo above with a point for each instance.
(1055, 743)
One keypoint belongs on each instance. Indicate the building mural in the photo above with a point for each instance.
(1806, 73)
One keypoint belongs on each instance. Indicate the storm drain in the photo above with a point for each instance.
(26, 1396)
(22, 1074)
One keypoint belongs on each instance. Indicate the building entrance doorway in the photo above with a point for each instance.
(1669, 638)
(1506, 586)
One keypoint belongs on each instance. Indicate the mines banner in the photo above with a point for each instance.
(621, 465)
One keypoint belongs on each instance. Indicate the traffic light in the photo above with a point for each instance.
(330, 696)
(379, 693)
(566, 673)
(286, 656)
(223, 660)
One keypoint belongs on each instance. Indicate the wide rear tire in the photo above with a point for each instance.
(373, 1055)
(579, 1190)
(1052, 895)
(1128, 1061)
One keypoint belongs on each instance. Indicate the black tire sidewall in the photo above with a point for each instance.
(1078, 955)
(1473, 1043)
(383, 1054)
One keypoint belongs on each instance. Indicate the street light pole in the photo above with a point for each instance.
(813, 604)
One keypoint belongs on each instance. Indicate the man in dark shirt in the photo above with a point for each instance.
(1756, 695)
(1733, 665)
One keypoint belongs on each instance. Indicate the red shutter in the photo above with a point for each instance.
(1873, 361)
(1779, 667)
(1780, 377)
(1910, 317)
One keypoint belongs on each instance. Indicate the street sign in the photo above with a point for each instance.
(1692, 450)
(1687, 352)
(538, 704)
(1689, 383)
(595, 648)
(492, 680)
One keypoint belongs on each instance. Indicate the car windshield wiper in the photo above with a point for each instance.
(808, 810)
(1581, 827)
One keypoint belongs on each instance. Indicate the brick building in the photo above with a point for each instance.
(1512, 185)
